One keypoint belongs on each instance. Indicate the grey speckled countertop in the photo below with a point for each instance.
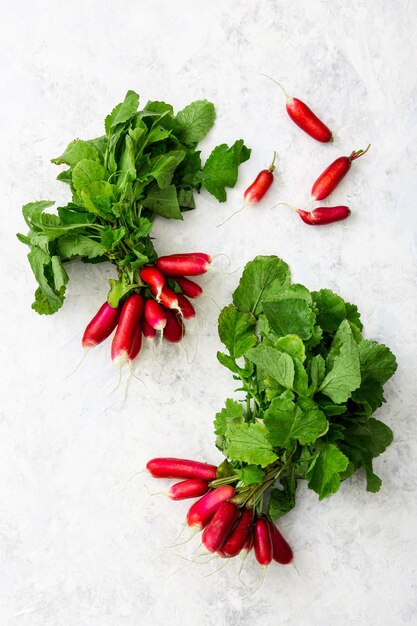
(80, 543)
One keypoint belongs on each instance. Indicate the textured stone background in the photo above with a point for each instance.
(80, 543)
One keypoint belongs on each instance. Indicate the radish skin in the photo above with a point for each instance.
(281, 550)
(168, 298)
(186, 309)
(333, 174)
(324, 215)
(189, 287)
(169, 467)
(136, 344)
(174, 330)
(154, 314)
(154, 279)
(148, 331)
(262, 542)
(101, 326)
(201, 512)
(238, 537)
(219, 527)
(182, 265)
(190, 488)
(128, 323)
(256, 191)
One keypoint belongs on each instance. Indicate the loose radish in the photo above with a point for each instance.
(219, 527)
(190, 488)
(174, 330)
(168, 298)
(237, 539)
(153, 278)
(148, 331)
(154, 314)
(256, 191)
(183, 265)
(262, 542)
(186, 309)
(201, 512)
(168, 467)
(303, 116)
(136, 344)
(324, 215)
(281, 550)
(189, 287)
(126, 329)
(332, 175)
(101, 326)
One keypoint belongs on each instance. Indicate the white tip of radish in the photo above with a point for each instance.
(121, 359)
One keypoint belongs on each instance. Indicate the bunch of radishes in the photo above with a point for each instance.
(228, 527)
(154, 307)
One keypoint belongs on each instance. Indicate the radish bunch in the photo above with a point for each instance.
(230, 525)
(159, 305)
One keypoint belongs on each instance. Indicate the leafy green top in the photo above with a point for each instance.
(311, 382)
(146, 164)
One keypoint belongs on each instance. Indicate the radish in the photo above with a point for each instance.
(198, 255)
(148, 331)
(201, 512)
(183, 264)
(154, 314)
(168, 298)
(189, 287)
(237, 539)
(101, 326)
(168, 467)
(304, 117)
(174, 330)
(256, 191)
(186, 309)
(332, 175)
(262, 542)
(190, 488)
(281, 549)
(153, 278)
(136, 344)
(219, 527)
(324, 215)
(126, 328)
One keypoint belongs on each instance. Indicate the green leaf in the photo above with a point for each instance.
(122, 112)
(186, 199)
(86, 172)
(292, 345)
(221, 168)
(262, 280)
(300, 384)
(248, 443)
(273, 363)
(32, 212)
(282, 501)
(250, 474)
(287, 422)
(331, 309)
(324, 472)
(79, 245)
(111, 237)
(71, 215)
(76, 151)
(353, 315)
(229, 362)
(377, 361)
(164, 202)
(127, 164)
(52, 280)
(236, 331)
(290, 316)
(231, 414)
(194, 122)
(344, 375)
(164, 165)
(317, 371)
(157, 106)
(118, 289)
(100, 198)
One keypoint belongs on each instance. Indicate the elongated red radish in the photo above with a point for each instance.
(324, 215)
(182, 265)
(169, 467)
(128, 323)
(153, 278)
(201, 512)
(154, 314)
(219, 527)
(136, 344)
(281, 549)
(238, 537)
(190, 488)
(197, 255)
(303, 116)
(101, 326)
(332, 175)
(174, 330)
(189, 287)
(186, 309)
(168, 298)
(256, 191)
(148, 331)
(262, 542)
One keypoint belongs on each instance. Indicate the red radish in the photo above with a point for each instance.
(169, 467)
(168, 298)
(198, 255)
(101, 326)
(152, 277)
(324, 215)
(191, 488)
(201, 512)
(237, 539)
(217, 530)
(304, 117)
(332, 175)
(262, 542)
(129, 320)
(174, 331)
(186, 309)
(189, 287)
(148, 331)
(281, 549)
(154, 314)
(136, 344)
(183, 265)
(256, 191)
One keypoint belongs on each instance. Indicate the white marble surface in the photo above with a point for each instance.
(79, 544)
